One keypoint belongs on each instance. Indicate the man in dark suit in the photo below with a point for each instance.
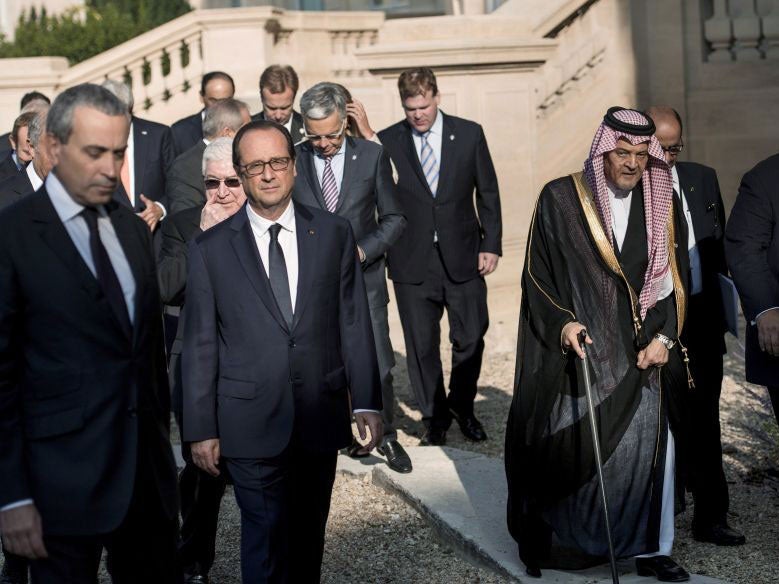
(277, 339)
(278, 88)
(200, 493)
(352, 178)
(147, 160)
(86, 462)
(25, 183)
(446, 251)
(31, 101)
(214, 87)
(185, 180)
(752, 246)
(702, 212)
(21, 155)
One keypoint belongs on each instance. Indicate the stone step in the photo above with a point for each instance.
(463, 496)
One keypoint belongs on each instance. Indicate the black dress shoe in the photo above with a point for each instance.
(195, 579)
(356, 450)
(433, 437)
(718, 533)
(14, 569)
(397, 458)
(663, 568)
(470, 427)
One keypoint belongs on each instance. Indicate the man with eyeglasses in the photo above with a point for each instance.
(600, 260)
(200, 493)
(352, 178)
(702, 228)
(278, 88)
(277, 347)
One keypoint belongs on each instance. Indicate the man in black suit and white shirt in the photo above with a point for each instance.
(185, 187)
(277, 344)
(86, 462)
(752, 246)
(147, 160)
(697, 197)
(214, 87)
(27, 182)
(352, 178)
(200, 493)
(446, 251)
(21, 154)
(278, 88)
(32, 101)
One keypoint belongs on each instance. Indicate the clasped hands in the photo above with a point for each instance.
(654, 354)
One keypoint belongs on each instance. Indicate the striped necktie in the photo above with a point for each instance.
(329, 186)
(429, 163)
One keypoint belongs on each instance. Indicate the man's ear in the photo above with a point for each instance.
(54, 146)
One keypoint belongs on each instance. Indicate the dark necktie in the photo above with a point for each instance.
(106, 276)
(277, 273)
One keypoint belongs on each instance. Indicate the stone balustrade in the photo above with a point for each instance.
(742, 30)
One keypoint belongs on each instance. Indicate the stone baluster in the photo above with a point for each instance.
(746, 31)
(771, 32)
(718, 31)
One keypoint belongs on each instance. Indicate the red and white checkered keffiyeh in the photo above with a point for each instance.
(658, 195)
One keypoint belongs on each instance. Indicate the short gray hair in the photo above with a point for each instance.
(322, 100)
(220, 150)
(59, 121)
(227, 113)
(36, 127)
(121, 90)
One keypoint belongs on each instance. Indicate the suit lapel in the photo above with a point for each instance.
(133, 251)
(246, 249)
(140, 150)
(351, 162)
(411, 154)
(448, 151)
(693, 195)
(309, 171)
(307, 238)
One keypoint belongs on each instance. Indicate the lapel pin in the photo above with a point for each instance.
(451, 136)
(144, 132)
(311, 232)
(692, 189)
(354, 157)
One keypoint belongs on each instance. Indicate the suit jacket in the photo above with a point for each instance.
(177, 231)
(15, 188)
(185, 187)
(8, 167)
(367, 200)
(465, 167)
(153, 156)
(5, 145)
(701, 191)
(298, 130)
(80, 401)
(187, 132)
(752, 246)
(248, 378)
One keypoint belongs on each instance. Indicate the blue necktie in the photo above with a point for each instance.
(277, 274)
(429, 163)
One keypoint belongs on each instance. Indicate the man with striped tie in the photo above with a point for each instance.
(442, 257)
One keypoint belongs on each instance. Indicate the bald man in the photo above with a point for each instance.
(701, 225)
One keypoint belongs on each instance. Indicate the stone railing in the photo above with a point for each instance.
(742, 30)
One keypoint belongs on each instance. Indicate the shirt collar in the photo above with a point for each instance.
(35, 180)
(67, 208)
(261, 224)
(675, 176)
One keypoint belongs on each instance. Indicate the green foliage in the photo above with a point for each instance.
(81, 33)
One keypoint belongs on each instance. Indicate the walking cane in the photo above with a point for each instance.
(598, 461)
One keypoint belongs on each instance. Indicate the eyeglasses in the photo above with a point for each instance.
(258, 166)
(230, 182)
(675, 149)
(330, 137)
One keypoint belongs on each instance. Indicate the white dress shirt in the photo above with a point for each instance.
(69, 212)
(620, 212)
(434, 138)
(35, 180)
(336, 163)
(696, 275)
(287, 239)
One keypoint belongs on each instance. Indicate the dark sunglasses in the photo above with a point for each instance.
(230, 182)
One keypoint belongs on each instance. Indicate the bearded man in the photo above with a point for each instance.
(600, 257)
